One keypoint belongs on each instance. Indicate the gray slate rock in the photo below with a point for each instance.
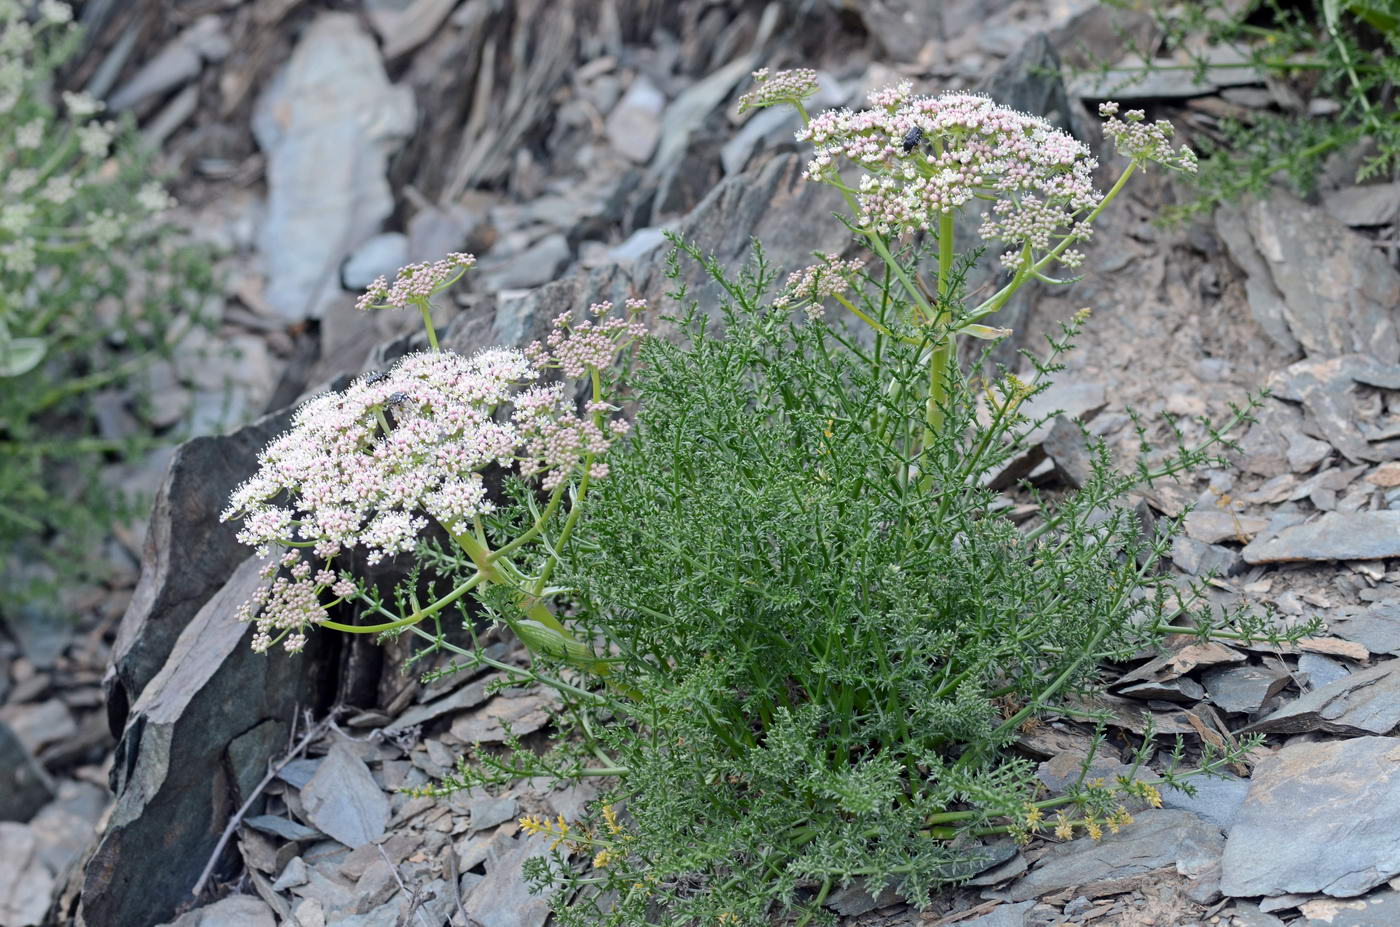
(327, 124)
(634, 125)
(1321, 670)
(1199, 558)
(169, 774)
(24, 785)
(1003, 915)
(1337, 292)
(1333, 536)
(344, 801)
(1157, 838)
(1371, 204)
(179, 61)
(772, 203)
(1364, 702)
(234, 911)
(189, 554)
(1377, 628)
(1243, 689)
(382, 255)
(502, 899)
(1320, 817)
(1216, 800)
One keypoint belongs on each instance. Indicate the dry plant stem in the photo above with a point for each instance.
(314, 732)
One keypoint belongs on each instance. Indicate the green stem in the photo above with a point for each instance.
(427, 314)
(408, 620)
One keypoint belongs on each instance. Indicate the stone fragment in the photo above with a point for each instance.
(327, 123)
(502, 899)
(1387, 475)
(855, 899)
(1369, 204)
(1003, 915)
(172, 787)
(1332, 646)
(689, 110)
(488, 723)
(1217, 800)
(381, 255)
(344, 801)
(189, 554)
(1223, 67)
(405, 26)
(1332, 536)
(1213, 525)
(26, 886)
(1377, 628)
(38, 725)
(1067, 446)
(489, 811)
(1244, 914)
(281, 827)
(1380, 909)
(535, 266)
(1326, 388)
(1337, 290)
(179, 61)
(634, 125)
(1199, 559)
(1319, 817)
(1183, 660)
(1364, 702)
(1304, 453)
(1243, 689)
(24, 785)
(234, 911)
(1171, 690)
(1157, 838)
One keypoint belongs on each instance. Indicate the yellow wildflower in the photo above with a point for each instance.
(1033, 817)
(610, 819)
(602, 859)
(1092, 826)
(1151, 795)
(1063, 828)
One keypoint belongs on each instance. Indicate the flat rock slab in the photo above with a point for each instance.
(1155, 839)
(24, 785)
(344, 801)
(327, 123)
(171, 775)
(1381, 909)
(1377, 628)
(1319, 817)
(1333, 536)
(234, 911)
(1243, 689)
(1365, 702)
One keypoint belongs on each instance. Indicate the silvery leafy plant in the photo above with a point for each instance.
(95, 285)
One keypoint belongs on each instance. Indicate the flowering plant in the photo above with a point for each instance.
(78, 314)
(371, 468)
(800, 636)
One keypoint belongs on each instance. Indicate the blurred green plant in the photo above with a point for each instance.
(1314, 55)
(95, 285)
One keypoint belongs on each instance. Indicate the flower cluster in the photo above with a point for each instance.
(1140, 140)
(373, 466)
(415, 284)
(815, 284)
(589, 344)
(783, 87)
(927, 157)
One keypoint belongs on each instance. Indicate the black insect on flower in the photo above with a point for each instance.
(379, 376)
(397, 398)
(912, 138)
